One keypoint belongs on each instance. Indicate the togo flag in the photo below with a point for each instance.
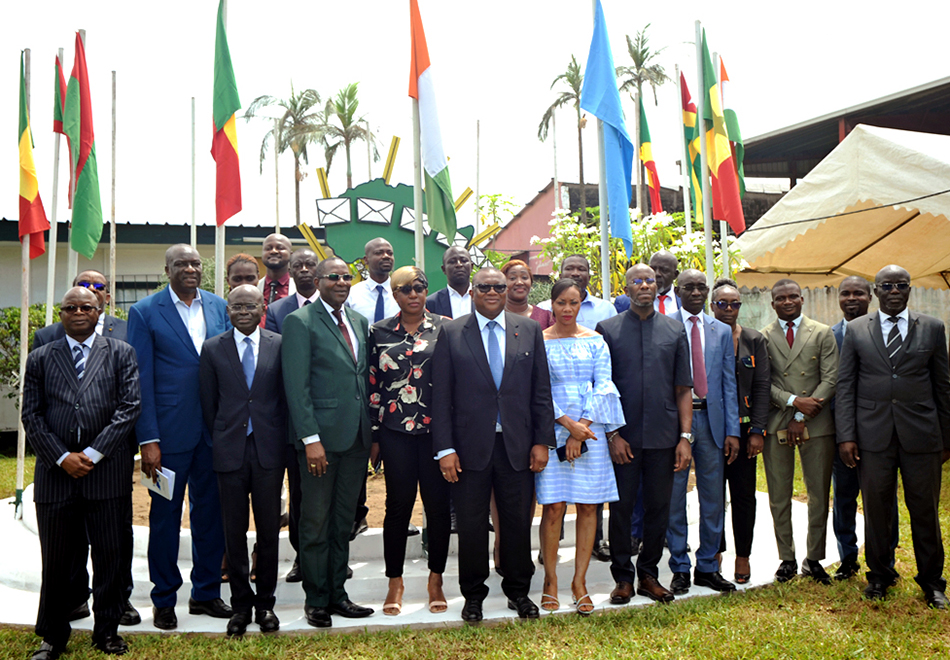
(438, 187)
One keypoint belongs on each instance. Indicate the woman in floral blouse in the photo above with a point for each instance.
(400, 402)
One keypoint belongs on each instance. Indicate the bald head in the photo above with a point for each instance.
(666, 268)
(79, 313)
(275, 253)
(378, 255)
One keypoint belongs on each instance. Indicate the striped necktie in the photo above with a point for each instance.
(894, 341)
(79, 360)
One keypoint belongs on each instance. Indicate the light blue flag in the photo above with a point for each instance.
(601, 98)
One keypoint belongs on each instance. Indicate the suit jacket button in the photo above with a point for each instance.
(804, 393)
(77, 405)
(893, 400)
(893, 375)
(245, 424)
(250, 400)
(803, 373)
(785, 374)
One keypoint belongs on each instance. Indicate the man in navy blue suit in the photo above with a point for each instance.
(715, 432)
(167, 330)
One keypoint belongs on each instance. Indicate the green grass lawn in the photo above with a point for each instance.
(795, 620)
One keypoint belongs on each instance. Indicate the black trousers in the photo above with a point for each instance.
(472, 497)
(293, 483)
(920, 474)
(263, 487)
(409, 463)
(741, 479)
(63, 530)
(654, 468)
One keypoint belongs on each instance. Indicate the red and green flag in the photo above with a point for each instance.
(224, 147)
(732, 127)
(33, 220)
(646, 157)
(59, 103)
(692, 136)
(77, 125)
(727, 204)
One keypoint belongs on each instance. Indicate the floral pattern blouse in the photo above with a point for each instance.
(400, 374)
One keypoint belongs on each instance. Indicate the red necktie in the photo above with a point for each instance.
(346, 335)
(790, 334)
(662, 306)
(700, 387)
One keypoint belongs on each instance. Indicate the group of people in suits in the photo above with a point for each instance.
(289, 374)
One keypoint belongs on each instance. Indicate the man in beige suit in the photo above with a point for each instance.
(804, 364)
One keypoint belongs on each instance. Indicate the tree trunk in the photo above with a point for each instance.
(580, 159)
(349, 167)
(297, 186)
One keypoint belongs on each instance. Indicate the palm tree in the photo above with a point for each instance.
(347, 130)
(574, 79)
(300, 124)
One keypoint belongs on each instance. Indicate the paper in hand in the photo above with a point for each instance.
(164, 483)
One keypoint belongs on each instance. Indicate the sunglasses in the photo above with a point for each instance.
(71, 309)
(406, 289)
(336, 277)
(243, 307)
(485, 288)
(722, 304)
(98, 286)
(890, 286)
(639, 281)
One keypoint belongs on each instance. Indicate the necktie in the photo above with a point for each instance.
(662, 305)
(346, 335)
(306, 302)
(894, 340)
(790, 334)
(700, 387)
(247, 362)
(495, 361)
(272, 294)
(79, 360)
(380, 304)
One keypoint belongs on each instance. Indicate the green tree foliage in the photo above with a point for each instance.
(10, 342)
(342, 126)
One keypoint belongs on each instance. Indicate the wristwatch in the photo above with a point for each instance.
(754, 430)
(799, 417)
(688, 437)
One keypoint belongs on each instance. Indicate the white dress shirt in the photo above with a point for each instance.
(241, 345)
(93, 454)
(461, 305)
(903, 319)
(363, 297)
(670, 308)
(193, 316)
(301, 299)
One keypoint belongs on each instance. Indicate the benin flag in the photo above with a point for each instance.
(438, 187)
(33, 220)
(646, 157)
(727, 205)
(224, 147)
(77, 124)
(691, 134)
(732, 127)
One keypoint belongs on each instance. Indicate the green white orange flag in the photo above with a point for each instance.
(77, 124)
(646, 157)
(692, 136)
(727, 205)
(224, 147)
(440, 207)
(732, 126)
(33, 220)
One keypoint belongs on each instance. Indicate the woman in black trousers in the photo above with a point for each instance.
(753, 386)
(400, 402)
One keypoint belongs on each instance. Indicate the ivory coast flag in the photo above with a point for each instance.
(692, 149)
(224, 147)
(440, 207)
(33, 220)
(77, 124)
(732, 127)
(727, 205)
(646, 157)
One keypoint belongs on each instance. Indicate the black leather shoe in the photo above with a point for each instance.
(267, 620)
(48, 651)
(358, 528)
(525, 608)
(413, 530)
(875, 591)
(786, 571)
(130, 615)
(714, 581)
(237, 625)
(164, 618)
(935, 599)
(81, 611)
(472, 611)
(110, 644)
(848, 569)
(350, 610)
(816, 572)
(680, 583)
(295, 575)
(215, 608)
(318, 617)
(601, 552)
(650, 587)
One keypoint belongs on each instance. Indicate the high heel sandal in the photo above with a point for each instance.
(547, 600)
(578, 604)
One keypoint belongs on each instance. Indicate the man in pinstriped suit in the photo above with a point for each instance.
(81, 399)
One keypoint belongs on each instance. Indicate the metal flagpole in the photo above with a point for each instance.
(194, 226)
(277, 177)
(685, 170)
(704, 168)
(417, 184)
(369, 153)
(219, 229)
(723, 226)
(478, 172)
(72, 259)
(602, 201)
(112, 222)
(53, 230)
(641, 205)
(24, 324)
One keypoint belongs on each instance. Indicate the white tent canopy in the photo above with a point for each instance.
(869, 203)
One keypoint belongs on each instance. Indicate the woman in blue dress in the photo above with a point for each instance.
(586, 408)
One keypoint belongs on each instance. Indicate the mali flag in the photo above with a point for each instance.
(224, 147)
(77, 124)
(692, 134)
(727, 205)
(33, 220)
(646, 157)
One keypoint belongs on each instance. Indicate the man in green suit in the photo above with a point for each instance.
(326, 378)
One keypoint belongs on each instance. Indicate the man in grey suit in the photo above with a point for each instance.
(80, 402)
(893, 412)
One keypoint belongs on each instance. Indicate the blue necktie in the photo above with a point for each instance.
(495, 362)
(247, 362)
(380, 304)
(79, 360)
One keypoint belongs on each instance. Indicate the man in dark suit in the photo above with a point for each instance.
(326, 378)
(649, 355)
(492, 428)
(80, 402)
(167, 330)
(893, 412)
(108, 326)
(242, 397)
(455, 299)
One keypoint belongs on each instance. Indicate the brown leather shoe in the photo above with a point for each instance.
(622, 593)
(649, 586)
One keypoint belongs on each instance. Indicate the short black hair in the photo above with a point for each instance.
(784, 282)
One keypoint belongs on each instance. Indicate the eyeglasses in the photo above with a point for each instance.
(640, 281)
(890, 286)
(243, 307)
(485, 288)
(723, 305)
(71, 309)
(98, 286)
(336, 277)
(406, 289)
(689, 288)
